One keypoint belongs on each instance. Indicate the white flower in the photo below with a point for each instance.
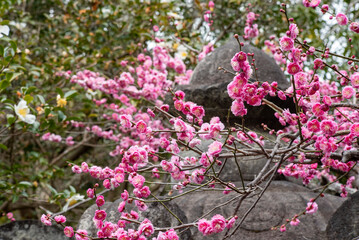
(181, 52)
(22, 111)
(4, 30)
(72, 200)
(174, 15)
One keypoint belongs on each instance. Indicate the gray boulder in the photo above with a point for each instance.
(31, 229)
(208, 86)
(280, 202)
(343, 225)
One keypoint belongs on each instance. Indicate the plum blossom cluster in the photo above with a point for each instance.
(208, 15)
(108, 229)
(192, 111)
(205, 51)
(217, 224)
(241, 90)
(251, 30)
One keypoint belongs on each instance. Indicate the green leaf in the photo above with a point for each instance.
(30, 90)
(4, 84)
(41, 99)
(72, 189)
(10, 118)
(12, 76)
(53, 190)
(28, 98)
(70, 93)
(24, 184)
(2, 146)
(61, 116)
(60, 92)
(13, 45)
(3, 184)
(15, 197)
(1, 51)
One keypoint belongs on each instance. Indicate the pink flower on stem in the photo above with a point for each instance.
(312, 207)
(121, 206)
(146, 228)
(81, 235)
(100, 215)
(76, 169)
(60, 219)
(46, 220)
(294, 222)
(9, 215)
(211, 5)
(84, 167)
(124, 195)
(354, 129)
(198, 111)
(205, 227)
(348, 92)
(293, 68)
(69, 141)
(342, 19)
(100, 201)
(318, 63)
(314, 125)
(355, 79)
(125, 121)
(179, 105)
(215, 148)
(354, 26)
(141, 126)
(328, 127)
(137, 181)
(218, 223)
(156, 28)
(90, 192)
(238, 108)
(141, 205)
(293, 30)
(283, 228)
(231, 222)
(325, 8)
(286, 43)
(69, 231)
(311, 3)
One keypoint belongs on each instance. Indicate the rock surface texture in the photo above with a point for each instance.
(280, 202)
(31, 230)
(344, 224)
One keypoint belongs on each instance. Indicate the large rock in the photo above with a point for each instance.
(30, 230)
(208, 86)
(280, 202)
(344, 224)
(156, 213)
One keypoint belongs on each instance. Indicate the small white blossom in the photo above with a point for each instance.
(72, 200)
(23, 112)
(4, 30)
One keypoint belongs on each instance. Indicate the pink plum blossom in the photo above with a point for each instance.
(342, 19)
(69, 232)
(215, 148)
